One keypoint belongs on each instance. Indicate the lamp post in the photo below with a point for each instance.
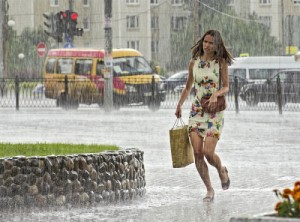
(11, 23)
(108, 59)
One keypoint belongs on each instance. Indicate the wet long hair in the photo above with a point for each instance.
(221, 51)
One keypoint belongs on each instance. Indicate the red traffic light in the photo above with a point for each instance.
(63, 14)
(74, 16)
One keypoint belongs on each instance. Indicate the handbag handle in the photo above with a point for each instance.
(178, 120)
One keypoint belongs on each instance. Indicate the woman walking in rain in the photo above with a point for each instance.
(208, 55)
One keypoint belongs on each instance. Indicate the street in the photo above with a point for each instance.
(259, 148)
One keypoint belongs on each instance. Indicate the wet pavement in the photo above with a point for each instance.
(260, 150)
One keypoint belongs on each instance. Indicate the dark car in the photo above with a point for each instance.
(268, 91)
(176, 80)
(240, 82)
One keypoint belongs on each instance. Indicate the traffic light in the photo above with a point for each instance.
(72, 29)
(60, 25)
(73, 23)
(49, 23)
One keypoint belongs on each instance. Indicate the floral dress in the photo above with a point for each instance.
(206, 82)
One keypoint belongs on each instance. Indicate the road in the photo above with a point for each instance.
(260, 150)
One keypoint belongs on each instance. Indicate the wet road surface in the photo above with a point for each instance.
(260, 150)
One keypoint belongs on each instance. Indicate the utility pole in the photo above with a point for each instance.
(71, 5)
(282, 28)
(69, 39)
(108, 59)
(196, 20)
(2, 42)
(290, 34)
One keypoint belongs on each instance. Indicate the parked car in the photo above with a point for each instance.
(241, 82)
(267, 91)
(176, 80)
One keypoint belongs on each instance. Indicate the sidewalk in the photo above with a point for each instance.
(260, 150)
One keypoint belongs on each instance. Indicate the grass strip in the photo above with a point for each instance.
(46, 149)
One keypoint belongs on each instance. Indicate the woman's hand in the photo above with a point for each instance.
(178, 111)
(213, 100)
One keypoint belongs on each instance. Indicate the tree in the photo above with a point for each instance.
(240, 36)
(31, 65)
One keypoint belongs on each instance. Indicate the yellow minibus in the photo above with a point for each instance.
(74, 76)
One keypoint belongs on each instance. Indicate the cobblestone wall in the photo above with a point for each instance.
(84, 179)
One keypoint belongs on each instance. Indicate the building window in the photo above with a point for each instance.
(154, 46)
(132, 21)
(154, 2)
(53, 3)
(133, 45)
(86, 3)
(177, 23)
(177, 2)
(297, 2)
(154, 22)
(86, 24)
(132, 1)
(266, 2)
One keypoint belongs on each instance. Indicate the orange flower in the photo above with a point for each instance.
(277, 206)
(284, 195)
(296, 197)
(287, 191)
(290, 201)
(296, 189)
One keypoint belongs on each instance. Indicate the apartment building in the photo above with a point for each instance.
(281, 16)
(133, 24)
(145, 25)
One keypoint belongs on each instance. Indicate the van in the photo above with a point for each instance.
(260, 68)
(74, 76)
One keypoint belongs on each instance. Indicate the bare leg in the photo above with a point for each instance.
(213, 159)
(197, 143)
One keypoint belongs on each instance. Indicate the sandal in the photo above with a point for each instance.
(225, 186)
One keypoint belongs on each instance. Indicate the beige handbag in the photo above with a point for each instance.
(181, 149)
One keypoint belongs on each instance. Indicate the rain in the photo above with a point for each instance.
(111, 72)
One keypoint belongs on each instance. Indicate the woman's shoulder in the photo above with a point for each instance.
(219, 61)
(192, 61)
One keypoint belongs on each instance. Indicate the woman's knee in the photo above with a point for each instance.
(199, 156)
(209, 157)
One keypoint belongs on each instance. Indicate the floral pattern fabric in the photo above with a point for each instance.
(206, 82)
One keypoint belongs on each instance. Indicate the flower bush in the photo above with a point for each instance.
(289, 204)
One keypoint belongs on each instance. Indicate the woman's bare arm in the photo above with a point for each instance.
(186, 91)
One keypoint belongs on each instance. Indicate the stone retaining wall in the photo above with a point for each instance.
(84, 179)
